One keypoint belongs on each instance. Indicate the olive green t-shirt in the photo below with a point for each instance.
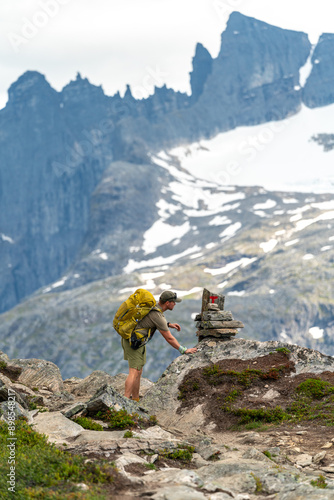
(154, 319)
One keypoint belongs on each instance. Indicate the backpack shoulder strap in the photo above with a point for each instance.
(156, 308)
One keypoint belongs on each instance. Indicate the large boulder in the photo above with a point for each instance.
(107, 397)
(97, 379)
(91, 384)
(7, 392)
(12, 410)
(39, 373)
(163, 399)
(57, 427)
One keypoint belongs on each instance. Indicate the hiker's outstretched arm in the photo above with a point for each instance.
(170, 338)
(174, 343)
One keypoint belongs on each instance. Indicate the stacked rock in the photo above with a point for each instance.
(213, 320)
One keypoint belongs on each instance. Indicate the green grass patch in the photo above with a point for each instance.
(284, 350)
(153, 420)
(216, 375)
(320, 482)
(313, 401)
(128, 434)
(42, 471)
(118, 419)
(184, 453)
(315, 388)
(188, 387)
(151, 466)
(269, 415)
(88, 423)
(121, 419)
(233, 395)
(259, 485)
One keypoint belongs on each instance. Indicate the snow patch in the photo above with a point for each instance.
(292, 242)
(166, 209)
(305, 70)
(196, 255)
(183, 293)
(316, 332)
(231, 266)
(132, 265)
(308, 256)
(307, 222)
(268, 246)
(231, 230)
(240, 157)
(151, 276)
(260, 213)
(4, 237)
(219, 220)
(296, 217)
(59, 283)
(324, 205)
(266, 205)
(161, 233)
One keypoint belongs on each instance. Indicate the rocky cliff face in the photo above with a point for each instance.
(255, 75)
(61, 194)
(202, 68)
(44, 203)
(318, 90)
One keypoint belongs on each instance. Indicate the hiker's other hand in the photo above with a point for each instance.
(176, 326)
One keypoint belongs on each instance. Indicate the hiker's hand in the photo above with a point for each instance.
(192, 350)
(176, 326)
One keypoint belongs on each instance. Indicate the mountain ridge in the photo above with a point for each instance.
(92, 195)
(67, 139)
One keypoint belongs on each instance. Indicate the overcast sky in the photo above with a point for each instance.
(140, 42)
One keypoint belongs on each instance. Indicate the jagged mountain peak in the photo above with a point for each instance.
(128, 93)
(239, 20)
(81, 89)
(202, 67)
(31, 84)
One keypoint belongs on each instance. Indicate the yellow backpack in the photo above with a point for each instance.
(135, 308)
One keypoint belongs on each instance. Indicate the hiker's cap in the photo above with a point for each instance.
(169, 296)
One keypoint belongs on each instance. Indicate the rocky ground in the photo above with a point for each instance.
(237, 420)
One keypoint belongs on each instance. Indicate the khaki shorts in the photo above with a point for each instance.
(135, 358)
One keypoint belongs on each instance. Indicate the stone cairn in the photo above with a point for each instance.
(213, 321)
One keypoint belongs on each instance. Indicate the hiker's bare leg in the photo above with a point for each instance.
(132, 383)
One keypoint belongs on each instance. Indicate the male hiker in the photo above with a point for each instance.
(153, 321)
